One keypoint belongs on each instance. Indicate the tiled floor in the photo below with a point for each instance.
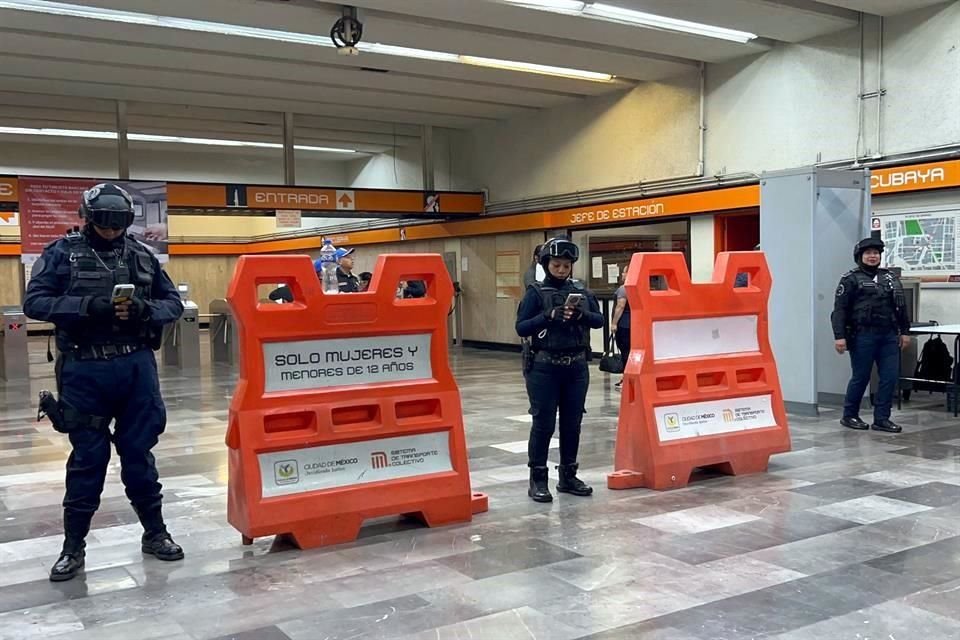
(851, 536)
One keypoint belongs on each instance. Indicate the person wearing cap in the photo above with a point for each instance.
(109, 300)
(349, 283)
(870, 321)
(557, 315)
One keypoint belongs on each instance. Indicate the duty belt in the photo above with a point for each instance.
(558, 359)
(103, 351)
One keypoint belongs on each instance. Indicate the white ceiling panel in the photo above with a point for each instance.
(883, 7)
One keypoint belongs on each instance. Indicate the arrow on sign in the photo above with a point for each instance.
(346, 200)
(8, 217)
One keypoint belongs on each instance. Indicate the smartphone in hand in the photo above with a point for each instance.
(122, 293)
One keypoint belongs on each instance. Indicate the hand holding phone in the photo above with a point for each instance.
(573, 300)
(122, 293)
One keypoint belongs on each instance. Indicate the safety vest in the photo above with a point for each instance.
(94, 273)
(561, 337)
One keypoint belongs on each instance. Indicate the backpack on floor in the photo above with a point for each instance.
(935, 362)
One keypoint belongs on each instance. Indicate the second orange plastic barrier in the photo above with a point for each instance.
(700, 385)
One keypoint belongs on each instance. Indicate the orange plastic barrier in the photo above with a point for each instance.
(346, 408)
(700, 384)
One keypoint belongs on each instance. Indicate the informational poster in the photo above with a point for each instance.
(319, 364)
(925, 243)
(697, 419)
(289, 218)
(343, 465)
(613, 273)
(596, 267)
(508, 274)
(49, 208)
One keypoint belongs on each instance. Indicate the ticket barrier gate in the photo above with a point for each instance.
(14, 356)
(224, 346)
(181, 340)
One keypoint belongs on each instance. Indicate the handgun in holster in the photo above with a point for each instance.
(50, 409)
(526, 346)
(65, 418)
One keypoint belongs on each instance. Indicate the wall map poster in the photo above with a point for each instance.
(922, 244)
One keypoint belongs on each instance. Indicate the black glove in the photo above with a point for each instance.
(138, 310)
(101, 308)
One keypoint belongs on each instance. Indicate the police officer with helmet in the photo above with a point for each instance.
(870, 321)
(557, 315)
(106, 371)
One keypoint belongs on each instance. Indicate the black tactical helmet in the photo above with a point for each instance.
(107, 206)
(558, 248)
(863, 245)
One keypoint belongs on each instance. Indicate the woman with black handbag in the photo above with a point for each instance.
(620, 323)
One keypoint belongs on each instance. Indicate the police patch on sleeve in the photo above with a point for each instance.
(38, 266)
(840, 289)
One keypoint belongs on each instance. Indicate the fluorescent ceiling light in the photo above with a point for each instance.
(542, 69)
(147, 137)
(203, 26)
(630, 16)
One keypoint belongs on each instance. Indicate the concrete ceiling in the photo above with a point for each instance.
(65, 72)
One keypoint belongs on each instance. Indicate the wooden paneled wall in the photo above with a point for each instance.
(207, 276)
(488, 318)
(11, 281)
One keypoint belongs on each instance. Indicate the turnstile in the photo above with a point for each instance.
(181, 340)
(14, 358)
(224, 346)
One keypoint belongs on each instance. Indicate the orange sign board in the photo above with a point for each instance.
(917, 177)
(9, 190)
(258, 197)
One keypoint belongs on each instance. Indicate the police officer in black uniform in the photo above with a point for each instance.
(106, 371)
(870, 321)
(558, 375)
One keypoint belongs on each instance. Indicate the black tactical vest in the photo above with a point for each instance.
(875, 302)
(94, 273)
(561, 337)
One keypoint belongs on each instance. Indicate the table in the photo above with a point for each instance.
(950, 387)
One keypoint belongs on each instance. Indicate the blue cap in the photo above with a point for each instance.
(342, 253)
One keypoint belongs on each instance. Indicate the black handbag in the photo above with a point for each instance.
(612, 360)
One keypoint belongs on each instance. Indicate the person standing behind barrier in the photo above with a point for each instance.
(557, 315)
(365, 278)
(620, 323)
(870, 321)
(106, 371)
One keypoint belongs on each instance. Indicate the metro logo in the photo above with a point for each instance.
(6, 189)
(379, 460)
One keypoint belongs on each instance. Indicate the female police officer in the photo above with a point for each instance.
(557, 314)
(870, 321)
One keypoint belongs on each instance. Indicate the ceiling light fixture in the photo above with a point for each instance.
(630, 16)
(203, 26)
(147, 137)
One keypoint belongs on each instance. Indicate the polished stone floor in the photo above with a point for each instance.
(850, 536)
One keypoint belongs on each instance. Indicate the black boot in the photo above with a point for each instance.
(70, 561)
(854, 422)
(539, 490)
(570, 483)
(156, 541)
(161, 545)
(887, 425)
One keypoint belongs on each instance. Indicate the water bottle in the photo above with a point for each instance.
(328, 267)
